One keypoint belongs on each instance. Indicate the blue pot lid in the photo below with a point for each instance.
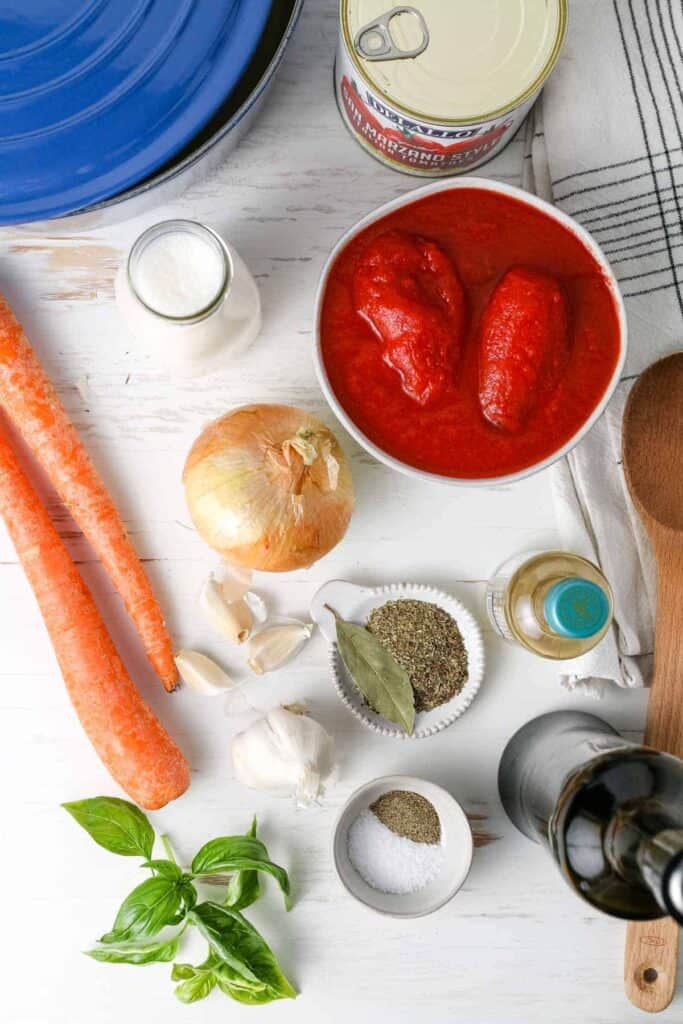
(96, 95)
(576, 608)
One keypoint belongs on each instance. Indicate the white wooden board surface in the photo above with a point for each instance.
(515, 945)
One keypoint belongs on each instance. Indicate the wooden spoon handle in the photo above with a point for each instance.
(664, 729)
(652, 946)
(650, 963)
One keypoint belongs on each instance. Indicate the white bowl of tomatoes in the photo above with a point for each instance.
(468, 332)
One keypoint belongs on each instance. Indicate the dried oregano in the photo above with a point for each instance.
(426, 642)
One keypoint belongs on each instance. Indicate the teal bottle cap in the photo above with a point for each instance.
(576, 608)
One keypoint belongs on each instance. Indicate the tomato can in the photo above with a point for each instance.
(437, 87)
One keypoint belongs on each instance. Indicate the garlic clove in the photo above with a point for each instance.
(233, 621)
(202, 674)
(273, 646)
(234, 582)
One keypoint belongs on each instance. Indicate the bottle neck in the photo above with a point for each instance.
(646, 849)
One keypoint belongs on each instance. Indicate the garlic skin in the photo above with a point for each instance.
(233, 580)
(259, 608)
(202, 674)
(286, 753)
(233, 621)
(273, 646)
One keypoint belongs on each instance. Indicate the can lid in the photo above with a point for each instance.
(462, 61)
(576, 608)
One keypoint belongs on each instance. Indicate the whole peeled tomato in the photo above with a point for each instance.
(269, 487)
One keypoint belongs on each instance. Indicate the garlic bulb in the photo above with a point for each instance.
(202, 674)
(275, 645)
(232, 620)
(285, 752)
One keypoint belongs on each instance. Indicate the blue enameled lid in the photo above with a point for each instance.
(95, 95)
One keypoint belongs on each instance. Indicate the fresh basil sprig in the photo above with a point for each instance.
(240, 963)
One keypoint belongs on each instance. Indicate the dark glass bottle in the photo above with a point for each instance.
(610, 812)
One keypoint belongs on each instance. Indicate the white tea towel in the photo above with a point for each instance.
(606, 145)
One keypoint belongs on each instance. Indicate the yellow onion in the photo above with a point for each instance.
(269, 487)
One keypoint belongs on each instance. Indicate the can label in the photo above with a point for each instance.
(417, 146)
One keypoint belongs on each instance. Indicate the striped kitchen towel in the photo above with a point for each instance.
(606, 145)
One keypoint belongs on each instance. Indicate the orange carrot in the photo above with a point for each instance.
(140, 755)
(31, 402)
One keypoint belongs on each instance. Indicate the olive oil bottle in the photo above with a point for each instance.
(553, 603)
(609, 811)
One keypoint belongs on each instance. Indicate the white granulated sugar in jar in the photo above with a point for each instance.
(389, 862)
(179, 274)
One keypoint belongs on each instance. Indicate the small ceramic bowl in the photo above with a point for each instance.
(355, 604)
(456, 838)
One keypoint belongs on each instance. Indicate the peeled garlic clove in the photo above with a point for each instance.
(275, 645)
(234, 582)
(202, 674)
(233, 621)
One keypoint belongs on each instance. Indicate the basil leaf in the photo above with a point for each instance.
(380, 679)
(240, 946)
(198, 987)
(245, 886)
(239, 853)
(115, 824)
(249, 996)
(243, 890)
(215, 972)
(161, 951)
(181, 972)
(164, 869)
(241, 990)
(198, 981)
(188, 893)
(146, 910)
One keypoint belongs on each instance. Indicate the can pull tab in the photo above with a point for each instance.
(374, 41)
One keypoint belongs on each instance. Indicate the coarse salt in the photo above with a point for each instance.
(389, 862)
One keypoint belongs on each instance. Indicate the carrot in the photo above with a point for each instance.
(140, 755)
(32, 404)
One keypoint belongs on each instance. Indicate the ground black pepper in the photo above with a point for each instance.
(426, 642)
(409, 815)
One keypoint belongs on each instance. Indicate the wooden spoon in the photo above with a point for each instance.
(653, 463)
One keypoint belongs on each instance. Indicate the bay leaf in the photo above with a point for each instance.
(384, 684)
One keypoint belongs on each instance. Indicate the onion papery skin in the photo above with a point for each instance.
(252, 497)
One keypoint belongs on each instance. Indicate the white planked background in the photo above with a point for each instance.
(515, 945)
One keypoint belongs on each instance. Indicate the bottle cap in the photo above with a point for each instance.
(576, 608)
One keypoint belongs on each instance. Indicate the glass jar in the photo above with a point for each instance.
(188, 297)
(553, 603)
